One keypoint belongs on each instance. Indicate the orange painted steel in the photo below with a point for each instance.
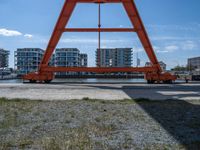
(99, 69)
(46, 73)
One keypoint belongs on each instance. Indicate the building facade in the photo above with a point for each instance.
(27, 60)
(115, 57)
(4, 58)
(67, 57)
(70, 57)
(194, 63)
(83, 60)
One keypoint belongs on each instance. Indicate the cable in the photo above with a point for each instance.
(99, 36)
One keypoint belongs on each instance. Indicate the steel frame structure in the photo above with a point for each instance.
(46, 73)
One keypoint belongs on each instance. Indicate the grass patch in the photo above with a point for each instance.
(72, 139)
(94, 124)
(19, 101)
(85, 99)
(21, 144)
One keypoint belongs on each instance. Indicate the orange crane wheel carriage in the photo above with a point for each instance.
(153, 73)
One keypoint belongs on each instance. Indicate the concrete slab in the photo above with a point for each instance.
(67, 91)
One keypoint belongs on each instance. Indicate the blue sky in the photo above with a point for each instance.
(173, 27)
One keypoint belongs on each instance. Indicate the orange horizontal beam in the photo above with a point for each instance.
(99, 30)
(99, 69)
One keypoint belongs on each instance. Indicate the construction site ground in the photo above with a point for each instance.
(99, 125)
(99, 116)
(103, 91)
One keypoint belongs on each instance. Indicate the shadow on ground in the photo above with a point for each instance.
(158, 92)
(181, 119)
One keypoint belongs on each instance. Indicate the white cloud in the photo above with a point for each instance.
(189, 45)
(166, 49)
(178, 45)
(160, 51)
(171, 48)
(137, 49)
(9, 33)
(29, 36)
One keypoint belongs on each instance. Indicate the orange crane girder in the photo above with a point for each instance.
(45, 72)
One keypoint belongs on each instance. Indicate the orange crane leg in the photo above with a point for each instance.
(152, 74)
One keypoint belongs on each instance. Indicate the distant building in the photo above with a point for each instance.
(194, 63)
(27, 60)
(162, 65)
(114, 57)
(148, 64)
(4, 56)
(69, 57)
(194, 66)
(83, 60)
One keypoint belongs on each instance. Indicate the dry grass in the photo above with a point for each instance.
(92, 124)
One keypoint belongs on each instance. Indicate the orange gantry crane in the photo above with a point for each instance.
(153, 73)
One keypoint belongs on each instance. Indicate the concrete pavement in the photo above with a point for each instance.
(67, 91)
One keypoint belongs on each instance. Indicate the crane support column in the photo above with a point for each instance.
(153, 73)
(58, 31)
(141, 31)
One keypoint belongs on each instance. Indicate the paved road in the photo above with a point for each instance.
(66, 91)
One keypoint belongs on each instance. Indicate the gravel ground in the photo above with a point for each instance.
(98, 125)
